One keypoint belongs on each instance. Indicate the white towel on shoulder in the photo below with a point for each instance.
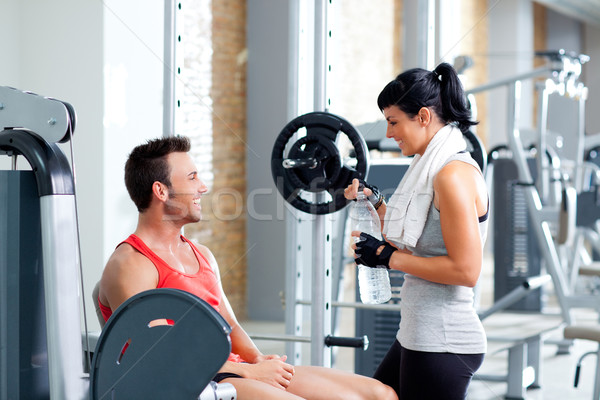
(409, 205)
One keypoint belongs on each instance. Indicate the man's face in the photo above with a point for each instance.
(186, 188)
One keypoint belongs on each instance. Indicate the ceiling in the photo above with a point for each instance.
(584, 10)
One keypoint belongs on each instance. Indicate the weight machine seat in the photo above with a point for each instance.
(583, 332)
(174, 357)
(592, 269)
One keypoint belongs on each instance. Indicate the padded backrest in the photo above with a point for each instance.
(95, 293)
(161, 343)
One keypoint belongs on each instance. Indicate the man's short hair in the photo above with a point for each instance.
(147, 163)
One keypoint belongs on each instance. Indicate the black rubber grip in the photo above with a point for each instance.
(358, 342)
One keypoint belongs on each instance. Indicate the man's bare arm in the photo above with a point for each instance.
(127, 273)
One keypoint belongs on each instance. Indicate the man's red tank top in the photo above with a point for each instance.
(203, 283)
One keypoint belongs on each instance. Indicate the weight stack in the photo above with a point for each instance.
(516, 252)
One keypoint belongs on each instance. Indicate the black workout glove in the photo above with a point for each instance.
(376, 199)
(366, 252)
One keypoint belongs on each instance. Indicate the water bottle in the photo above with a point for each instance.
(373, 283)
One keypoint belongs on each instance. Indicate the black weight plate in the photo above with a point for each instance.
(322, 131)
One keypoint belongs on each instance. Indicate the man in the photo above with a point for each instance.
(163, 182)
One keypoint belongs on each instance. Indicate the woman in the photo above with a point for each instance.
(434, 229)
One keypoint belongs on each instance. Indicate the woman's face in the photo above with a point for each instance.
(409, 133)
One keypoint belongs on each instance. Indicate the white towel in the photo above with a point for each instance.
(409, 205)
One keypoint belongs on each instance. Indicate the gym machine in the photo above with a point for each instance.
(42, 354)
(311, 175)
(548, 185)
(41, 351)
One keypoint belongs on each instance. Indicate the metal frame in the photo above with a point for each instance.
(60, 250)
(562, 72)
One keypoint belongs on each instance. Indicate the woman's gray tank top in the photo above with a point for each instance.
(437, 317)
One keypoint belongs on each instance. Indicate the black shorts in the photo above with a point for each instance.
(224, 375)
(423, 375)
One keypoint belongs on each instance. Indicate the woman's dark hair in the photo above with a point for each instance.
(147, 164)
(439, 90)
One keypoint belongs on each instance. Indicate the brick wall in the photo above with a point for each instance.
(223, 228)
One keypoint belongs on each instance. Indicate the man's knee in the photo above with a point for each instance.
(382, 392)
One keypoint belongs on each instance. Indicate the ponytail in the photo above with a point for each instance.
(452, 98)
(439, 90)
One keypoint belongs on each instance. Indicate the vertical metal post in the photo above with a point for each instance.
(542, 159)
(320, 51)
(61, 269)
(321, 268)
(294, 288)
(579, 160)
(169, 69)
(295, 253)
(419, 34)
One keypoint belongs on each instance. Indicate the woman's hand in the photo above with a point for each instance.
(351, 191)
(371, 251)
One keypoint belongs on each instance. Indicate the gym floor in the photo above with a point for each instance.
(557, 374)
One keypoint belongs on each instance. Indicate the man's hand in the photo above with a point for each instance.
(272, 370)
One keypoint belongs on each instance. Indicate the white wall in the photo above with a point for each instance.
(74, 51)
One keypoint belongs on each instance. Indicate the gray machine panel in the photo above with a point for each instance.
(23, 353)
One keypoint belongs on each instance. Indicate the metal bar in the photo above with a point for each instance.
(321, 290)
(490, 377)
(542, 160)
(283, 338)
(294, 276)
(580, 143)
(61, 270)
(507, 81)
(357, 305)
(169, 69)
(534, 360)
(294, 273)
(505, 301)
(517, 362)
(321, 268)
(320, 51)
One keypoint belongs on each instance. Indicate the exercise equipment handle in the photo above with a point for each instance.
(340, 341)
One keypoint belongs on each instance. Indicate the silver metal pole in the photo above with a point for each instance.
(321, 268)
(295, 258)
(61, 271)
(419, 34)
(320, 51)
(579, 160)
(542, 159)
(169, 69)
(505, 82)
(321, 290)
